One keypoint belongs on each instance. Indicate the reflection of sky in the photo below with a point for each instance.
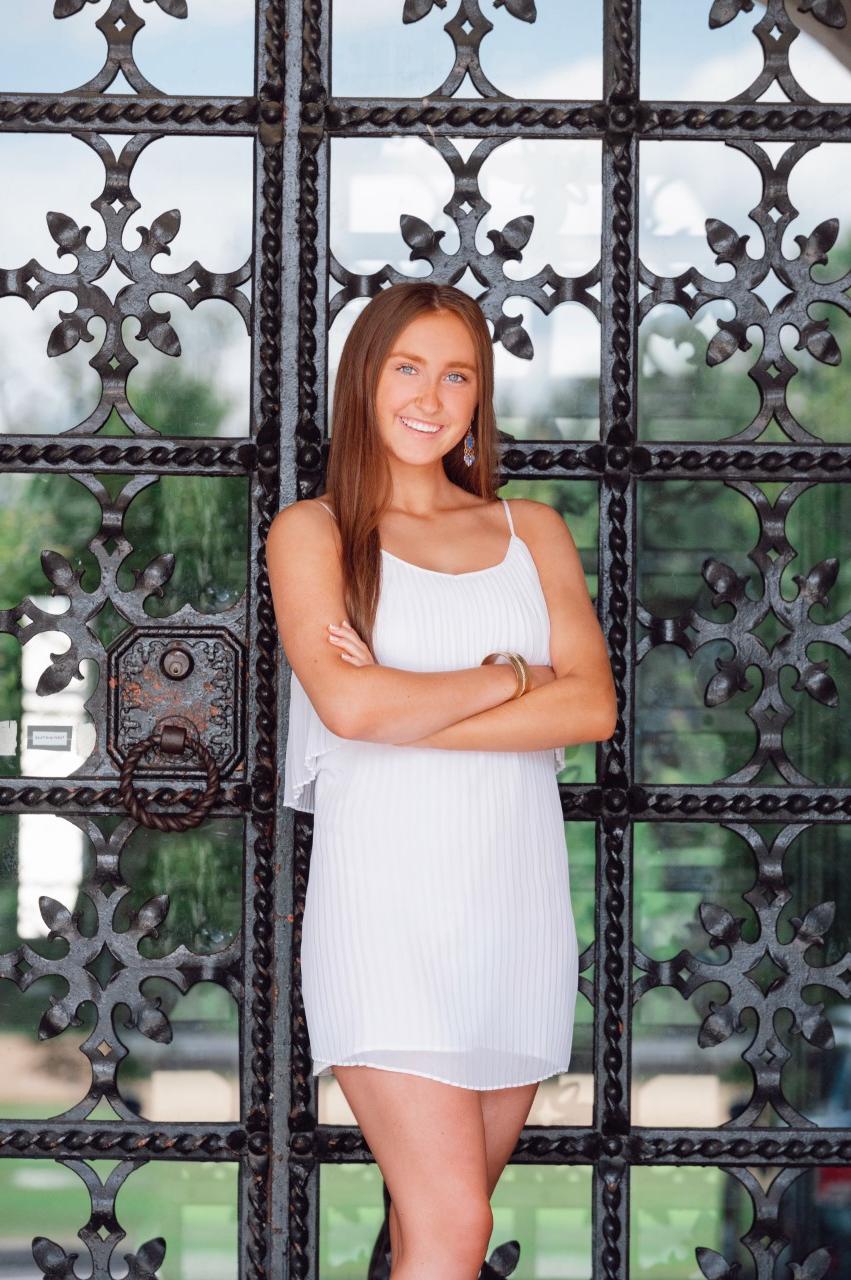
(211, 52)
(210, 181)
(376, 180)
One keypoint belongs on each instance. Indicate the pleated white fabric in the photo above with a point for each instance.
(438, 935)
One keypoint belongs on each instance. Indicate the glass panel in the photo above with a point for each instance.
(690, 879)
(683, 59)
(815, 1214)
(559, 55)
(546, 1210)
(176, 182)
(674, 1211)
(709, 717)
(201, 520)
(39, 1197)
(193, 1073)
(376, 182)
(694, 384)
(676, 1082)
(211, 52)
(194, 1207)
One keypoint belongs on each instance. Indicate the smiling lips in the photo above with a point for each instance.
(424, 428)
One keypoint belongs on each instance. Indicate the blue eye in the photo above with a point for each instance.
(457, 375)
(404, 366)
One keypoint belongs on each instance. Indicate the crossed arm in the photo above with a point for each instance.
(455, 710)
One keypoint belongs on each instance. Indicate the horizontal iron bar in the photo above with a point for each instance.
(580, 801)
(473, 117)
(97, 795)
(575, 1145)
(667, 460)
(128, 113)
(92, 1140)
(345, 1144)
(163, 455)
(520, 459)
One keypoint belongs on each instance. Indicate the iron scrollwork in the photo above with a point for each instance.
(291, 119)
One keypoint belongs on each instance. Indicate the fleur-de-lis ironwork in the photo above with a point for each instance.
(776, 32)
(467, 207)
(770, 711)
(691, 290)
(102, 1233)
(113, 361)
(764, 1239)
(119, 26)
(765, 975)
(129, 969)
(468, 28)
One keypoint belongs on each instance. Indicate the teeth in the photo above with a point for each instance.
(420, 426)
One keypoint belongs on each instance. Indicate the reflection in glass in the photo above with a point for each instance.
(51, 734)
(682, 186)
(675, 1082)
(192, 1076)
(547, 1210)
(559, 55)
(39, 1197)
(376, 182)
(683, 59)
(682, 527)
(188, 394)
(192, 1206)
(210, 52)
(674, 1211)
(201, 520)
(680, 867)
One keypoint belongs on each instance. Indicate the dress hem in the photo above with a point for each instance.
(428, 1075)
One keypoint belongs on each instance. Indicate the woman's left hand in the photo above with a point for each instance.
(352, 648)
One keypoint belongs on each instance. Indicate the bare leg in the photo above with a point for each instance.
(504, 1112)
(428, 1140)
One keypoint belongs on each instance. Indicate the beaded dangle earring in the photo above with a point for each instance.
(469, 448)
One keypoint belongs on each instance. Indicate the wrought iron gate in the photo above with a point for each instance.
(204, 671)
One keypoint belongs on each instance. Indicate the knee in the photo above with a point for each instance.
(457, 1232)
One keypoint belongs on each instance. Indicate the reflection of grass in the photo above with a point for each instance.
(192, 1206)
(548, 1210)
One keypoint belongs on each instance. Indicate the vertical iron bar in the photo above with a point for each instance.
(613, 932)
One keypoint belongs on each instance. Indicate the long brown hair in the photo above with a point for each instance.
(358, 475)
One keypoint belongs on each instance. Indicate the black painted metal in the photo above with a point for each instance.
(291, 117)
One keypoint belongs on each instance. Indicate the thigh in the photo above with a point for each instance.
(504, 1113)
(427, 1137)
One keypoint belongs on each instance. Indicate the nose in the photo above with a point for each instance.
(429, 397)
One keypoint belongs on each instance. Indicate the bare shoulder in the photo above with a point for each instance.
(541, 526)
(305, 521)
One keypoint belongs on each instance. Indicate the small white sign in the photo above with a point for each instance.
(49, 737)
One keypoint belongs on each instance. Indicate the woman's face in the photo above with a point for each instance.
(429, 382)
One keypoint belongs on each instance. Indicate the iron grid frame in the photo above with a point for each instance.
(291, 118)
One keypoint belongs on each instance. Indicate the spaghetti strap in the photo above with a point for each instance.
(327, 508)
(508, 515)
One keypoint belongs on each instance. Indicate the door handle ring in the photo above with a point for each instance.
(174, 740)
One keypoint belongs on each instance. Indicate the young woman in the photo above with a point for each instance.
(444, 650)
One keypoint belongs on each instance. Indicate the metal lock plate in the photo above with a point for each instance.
(191, 677)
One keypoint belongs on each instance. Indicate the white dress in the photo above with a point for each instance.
(438, 934)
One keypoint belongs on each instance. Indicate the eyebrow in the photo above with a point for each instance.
(406, 355)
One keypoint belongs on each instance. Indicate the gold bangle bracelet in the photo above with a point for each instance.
(520, 665)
